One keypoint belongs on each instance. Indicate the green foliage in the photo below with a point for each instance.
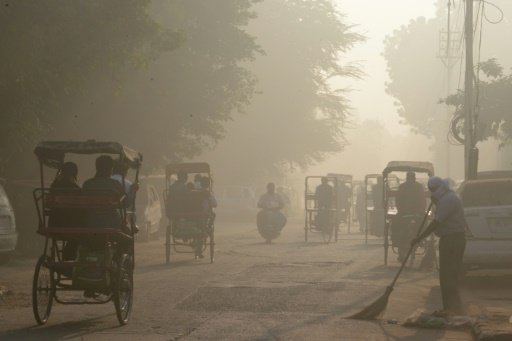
(417, 76)
(178, 106)
(494, 102)
(54, 51)
(297, 119)
(415, 73)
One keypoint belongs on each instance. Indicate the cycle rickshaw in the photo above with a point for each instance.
(345, 198)
(190, 212)
(401, 229)
(97, 260)
(320, 219)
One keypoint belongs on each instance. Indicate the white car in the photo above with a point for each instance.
(149, 212)
(488, 212)
(8, 233)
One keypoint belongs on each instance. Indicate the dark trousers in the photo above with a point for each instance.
(451, 252)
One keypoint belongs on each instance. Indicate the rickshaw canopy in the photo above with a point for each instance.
(190, 167)
(52, 153)
(409, 166)
(341, 177)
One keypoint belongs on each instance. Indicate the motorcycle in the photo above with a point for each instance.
(270, 221)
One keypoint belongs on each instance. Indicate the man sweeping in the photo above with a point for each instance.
(449, 225)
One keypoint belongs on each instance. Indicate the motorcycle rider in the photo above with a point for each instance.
(270, 220)
(271, 199)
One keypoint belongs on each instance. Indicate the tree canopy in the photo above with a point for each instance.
(416, 74)
(54, 51)
(298, 117)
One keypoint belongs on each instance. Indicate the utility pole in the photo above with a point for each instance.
(470, 153)
(449, 54)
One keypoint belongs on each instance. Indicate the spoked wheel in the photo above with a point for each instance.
(43, 291)
(212, 246)
(168, 244)
(123, 289)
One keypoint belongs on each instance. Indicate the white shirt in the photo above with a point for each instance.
(127, 183)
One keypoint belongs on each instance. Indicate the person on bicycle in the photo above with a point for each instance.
(324, 194)
(411, 199)
(411, 202)
(176, 195)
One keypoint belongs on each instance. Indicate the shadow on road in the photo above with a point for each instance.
(67, 330)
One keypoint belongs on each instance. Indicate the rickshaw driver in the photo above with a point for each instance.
(410, 201)
(176, 190)
(323, 195)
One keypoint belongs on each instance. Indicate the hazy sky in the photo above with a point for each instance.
(376, 19)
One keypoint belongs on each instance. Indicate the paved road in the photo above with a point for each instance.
(288, 290)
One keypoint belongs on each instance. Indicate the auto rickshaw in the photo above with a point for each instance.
(190, 212)
(401, 229)
(345, 198)
(86, 256)
(320, 219)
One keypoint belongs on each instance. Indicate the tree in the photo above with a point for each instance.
(178, 105)
(417, 75)
(493, 116)
(297, 119)
(54, 52)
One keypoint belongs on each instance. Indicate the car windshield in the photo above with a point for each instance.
(485, 194)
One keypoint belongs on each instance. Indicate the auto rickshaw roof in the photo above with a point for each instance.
(189, 167)
(52, 153)
(409, 166)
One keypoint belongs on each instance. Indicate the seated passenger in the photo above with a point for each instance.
(210, 204)
(130, 189)
(102, 181)
(66, 181)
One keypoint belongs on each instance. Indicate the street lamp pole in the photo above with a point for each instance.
(469, 155)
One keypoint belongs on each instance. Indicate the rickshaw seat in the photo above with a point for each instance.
(83, 199)
(67, 232)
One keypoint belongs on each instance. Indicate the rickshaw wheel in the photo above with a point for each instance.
(168, 244)
(43, 291)
(123, 289)
(212, 246)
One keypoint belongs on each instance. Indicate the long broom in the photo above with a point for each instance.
(377, 308)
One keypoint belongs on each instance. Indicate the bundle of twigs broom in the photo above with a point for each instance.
(377, 308)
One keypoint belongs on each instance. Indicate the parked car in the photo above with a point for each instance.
(8, 233)
(149, 211)
(488, 211)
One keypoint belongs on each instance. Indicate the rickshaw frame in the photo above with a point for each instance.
(310, 211)
(398, 166)
(366, 210)
(345, 179)
(52, 155)
(170, 239)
